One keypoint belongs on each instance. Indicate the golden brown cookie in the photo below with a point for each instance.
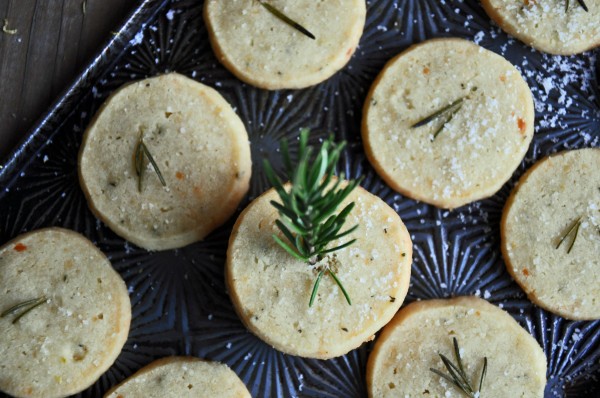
(409, 347)
(270, 289)
(549, 25)
(264, 51)
(551, 233)
(73, 317)
(447, 122)
(199, 145)
(176, 377)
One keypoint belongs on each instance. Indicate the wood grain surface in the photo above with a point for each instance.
(44, 44)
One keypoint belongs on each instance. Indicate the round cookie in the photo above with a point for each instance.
(548, 25)
(75, 318)
(200, 147)
(559, 197)
(176, 377)
(262, 50)
(472, 148)
(409, 347)
(271, 290)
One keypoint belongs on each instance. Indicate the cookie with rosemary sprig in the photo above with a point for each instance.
(554, 26)
(164, 162)
(317, 265)
(277, 44)
(447, 122)
(64, 314)
(550, 233)
(460, 347)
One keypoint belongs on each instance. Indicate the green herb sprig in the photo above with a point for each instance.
(574, 230)
(141, 151)
(24, 308)
(307, 209)
(448, 112)
(457, 375)
(281, 16)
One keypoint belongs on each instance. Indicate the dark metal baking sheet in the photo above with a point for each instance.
(179, 301)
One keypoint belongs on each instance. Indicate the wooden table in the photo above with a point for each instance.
(43, 46)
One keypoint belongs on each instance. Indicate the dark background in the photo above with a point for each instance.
(55, 39)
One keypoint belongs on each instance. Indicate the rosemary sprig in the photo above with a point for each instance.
(574, 230)
(457, 375)
(307, 212)
(25, 306)
(281, 16)
(142, 150)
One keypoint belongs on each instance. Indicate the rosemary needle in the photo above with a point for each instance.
(583, 5)
(280, 15)
(580, 2)
(457, 375)
(439, 130)
(142, 150)
(27, 306)
(315, 288)
(438, 113)
(574, 230)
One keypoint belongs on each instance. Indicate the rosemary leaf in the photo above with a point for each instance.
(443, 375)
(287, 248)
(580, 2)
(281, 16)
(42, 300)
(154, 165)
(583, 5)
(286, 231)
(333, 249)
(573, 230)
(483, 373)
(438, 113)
(574, 237)
(339, 283)
(17, 307)
(441, 128)
(138, 159)
(142, 150)
(454, 372)
(26, 306)
(345, 233)
(313, 295)
(457, 375)
(459, 360)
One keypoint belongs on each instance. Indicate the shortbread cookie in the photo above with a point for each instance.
(200, 147)
(549, 25)
(409, 347)
(466, 153)
(74, 317)
(264, 51)
(177, 377)
(551, 233)
(271, 290)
